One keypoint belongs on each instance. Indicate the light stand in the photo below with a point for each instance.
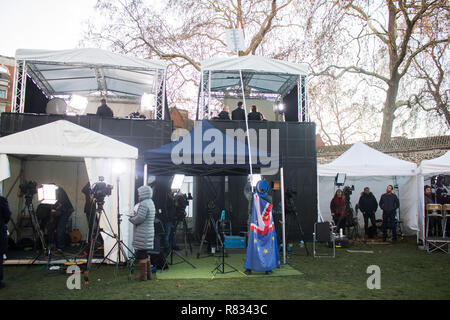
(221, 267)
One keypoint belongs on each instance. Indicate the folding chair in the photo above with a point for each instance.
(323, 234)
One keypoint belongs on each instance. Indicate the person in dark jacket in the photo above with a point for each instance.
(61, 212)
(104, 111)
(5, 216)
(389, 203)
(368, 205)
(338, 209)
(144, 231)
(255, 115)
(435, 226)
(238, 113)
(224, 114)
(170, 239)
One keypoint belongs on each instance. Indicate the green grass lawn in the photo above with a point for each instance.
(406, 273)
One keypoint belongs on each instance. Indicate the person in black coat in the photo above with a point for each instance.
(238, 113)
(5, 215)
(61, 212)
(368, 205)
(389, 203)
(224, 114)
(255, 115)
(104, 111)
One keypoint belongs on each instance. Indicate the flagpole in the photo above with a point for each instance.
(283, 214)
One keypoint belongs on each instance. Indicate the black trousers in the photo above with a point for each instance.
(368, 216)
(389, 222)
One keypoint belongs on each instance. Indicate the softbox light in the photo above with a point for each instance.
(47, 193)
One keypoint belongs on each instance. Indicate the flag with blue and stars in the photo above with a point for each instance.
(262, 249)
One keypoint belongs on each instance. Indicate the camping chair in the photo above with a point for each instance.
(323, 234)
(434, 243)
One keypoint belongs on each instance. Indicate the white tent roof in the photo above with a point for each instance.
(66, 139)
(361, 160)
(84, 71)
(261, 73)
(436, 166)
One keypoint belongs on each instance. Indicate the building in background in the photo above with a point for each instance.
(6, 82)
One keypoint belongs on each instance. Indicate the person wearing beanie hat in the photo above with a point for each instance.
(144, 231)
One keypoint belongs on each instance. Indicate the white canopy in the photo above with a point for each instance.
(427, 169)
(63, 140)
(89, 70)
(261, 73)
(361, 160)
(367, 167)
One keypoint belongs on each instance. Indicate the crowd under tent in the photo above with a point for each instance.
(427, 170)
(367, 167)
(91, 73)
(70, 156)
(206, 151)
(254, 76)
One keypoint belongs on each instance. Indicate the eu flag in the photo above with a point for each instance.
(262, 249)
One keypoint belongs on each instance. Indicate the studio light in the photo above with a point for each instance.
(280, 107)
(254, 179)
(339, 180)
(78, 103)
(119, 167)
(148, 102)
(177, 181)
(47, 194)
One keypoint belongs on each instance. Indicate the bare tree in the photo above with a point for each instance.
(388, 36)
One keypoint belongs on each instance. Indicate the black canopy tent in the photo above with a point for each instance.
(200, 153)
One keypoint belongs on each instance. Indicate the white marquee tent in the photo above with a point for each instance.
(51, 153)
(367, 167)
(428, 169)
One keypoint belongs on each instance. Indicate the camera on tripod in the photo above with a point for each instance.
(100, 190)
(181, 202)
(28, 189)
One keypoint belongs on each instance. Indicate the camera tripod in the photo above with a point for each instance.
(293, 210)
(172, 251)
(221, 267)
(208, 224)
(119, 243)
(186, 241)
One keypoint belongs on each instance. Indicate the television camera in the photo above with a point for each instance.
(100, 190)
(28, 190)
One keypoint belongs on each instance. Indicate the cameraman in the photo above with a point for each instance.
(62, 210)
(368, 205)
(5, 215)
(171, 223)
(338, 208)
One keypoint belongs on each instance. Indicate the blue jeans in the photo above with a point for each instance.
(389, 222)
(171, 228)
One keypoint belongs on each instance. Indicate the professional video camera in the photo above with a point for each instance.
(181, 202)
(100, 190)
(348, 192)
(28, 189)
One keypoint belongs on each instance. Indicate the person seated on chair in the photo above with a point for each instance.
(338, 210)
(144, 232)
(368, 205)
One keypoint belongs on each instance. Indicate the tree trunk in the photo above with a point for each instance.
(389, 109)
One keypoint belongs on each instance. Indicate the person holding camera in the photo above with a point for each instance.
(144, 232)
(5, 216)
(389, 203)
(368, 205)
(338, 208)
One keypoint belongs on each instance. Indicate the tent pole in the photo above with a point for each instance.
(283, 215)
(145, 175)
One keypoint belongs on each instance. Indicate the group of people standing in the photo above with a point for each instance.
(368, 205)
(239, 113)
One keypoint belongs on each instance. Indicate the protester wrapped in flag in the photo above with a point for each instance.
(262, 249)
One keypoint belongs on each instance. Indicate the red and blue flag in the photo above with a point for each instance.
(262, 249)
